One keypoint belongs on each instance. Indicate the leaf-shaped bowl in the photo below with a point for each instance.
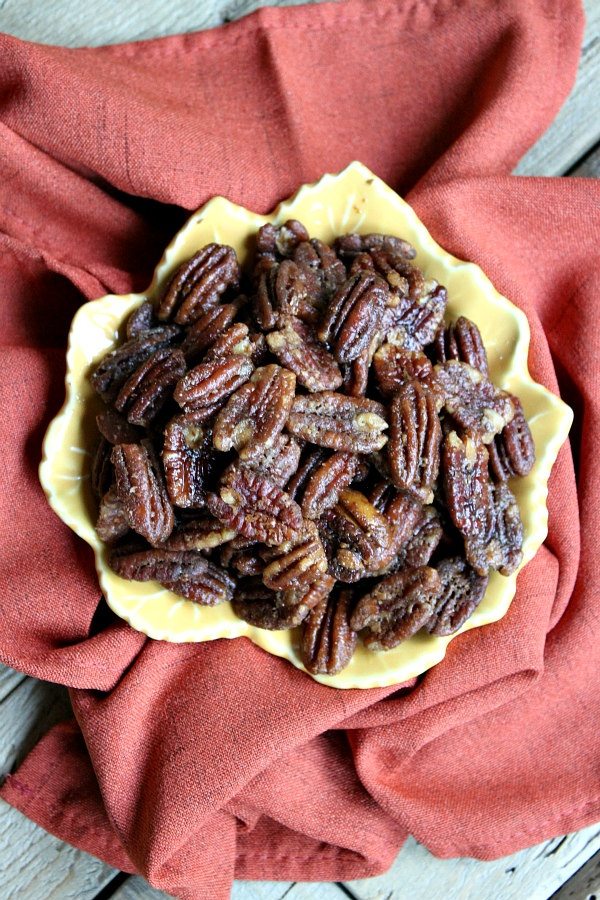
(354, 200)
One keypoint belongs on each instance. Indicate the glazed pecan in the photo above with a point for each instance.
(255, 507)
(141, 319)
(101, 475)
(323, 261)
(467, 486)
(325, 483)
(112, 522)
(397, 607)
(280, 242)
(203, 533)
(422, 544)
(413, 321)
(279, 462)
(185, 572)
(141, 490)
(285, 289)
(115, 368)
(357, 537)
(394, 367)
(462, 341)
(311, 460)
(243, 556)
(262, 607)
(298, 565)
(309, 595)
(349, 245)
(237, 341)
(353, 424)
(209, 327)
(503, 551)
(209, 384)
(512, 452)
(146, 391)
(189, 460)
(256, 413)
(199, 283)
(414, 445)
(403, 512)
(473, 402)
(328, 642)
(353, 316)
(297, 349)
(116, 429)
(462, 592)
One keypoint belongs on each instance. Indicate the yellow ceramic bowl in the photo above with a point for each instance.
(354, 200)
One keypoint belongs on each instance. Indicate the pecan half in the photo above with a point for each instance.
(462, 341)
(357, 537)
(325, 483)
(349, 245)
(116, 429)
(262, 607)
(467, 487)
(203, 533)
(114, 369)
(413, 321)
(280, 242)
(403, 512)
(319, 257)
(394, 367)
(101, 475)
(421, 545)
(462, 592)
(298, 565)
(237, 341)
(141, 490)
(279, 462)
(353, 424)
(199, 283)
(397, 607)
(512, 452)
(414, 445)
(298, 350)
(255, 507)
(209, 384)
(312, 459)
(189, 460)
(256, 413)
(353, 315)
(185, 572)
(503, 551)
(146, 391)
(328, 642)
(141, 319)
(473, 402)
(284, 289)
(208, 327)
(112, 522)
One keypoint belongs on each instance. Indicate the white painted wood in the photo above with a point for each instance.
(588, 168)
(267, 890)
(533, 874)
(577, 127)
(9, 679)
(585, 885)
(26, 714)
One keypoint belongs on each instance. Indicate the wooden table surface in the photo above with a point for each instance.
(36, 866)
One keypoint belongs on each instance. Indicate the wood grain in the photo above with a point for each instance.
(589, 166)
(9, 679)
(585, 885)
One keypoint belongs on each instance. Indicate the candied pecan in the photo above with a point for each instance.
(353, 315)
(101, 475)
(421, 545)
(328, 642)
(297, 349)
(353, 424)
(512, 452)
(462, 341)
(298, 565)
(283, 290)
(245, 559)
(325, 483)
(199, 282)
(141, 319)
(185, 572)
(397, 607)
(503, 551)
(209, 384)
(112, 522)
(413, 321)
(114, 369)
(319, 257)
(462, 592)
(473, 402)
(146, 391)
(394, 367)
(208, 328)
(403, 279)
(309, 464)
(414, 445)
(349, 245)
(256, 413)
(309, 595)
(199, 534)
(141, 490)
(255, 507)
(358, 539)
(275, 242)
(116, 429)
(237, 341)
(278, 462)
(402, 511)
(356, 373)
(261, 607)
(467, 486)
(188, 459)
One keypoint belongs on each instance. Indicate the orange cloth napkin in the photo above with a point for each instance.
(196, 764)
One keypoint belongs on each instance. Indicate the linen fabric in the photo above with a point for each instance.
(195, 764)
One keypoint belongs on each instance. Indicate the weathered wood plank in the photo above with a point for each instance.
(534, 873)
(584, 885)
(589, 167)
(577, 126)
(138, 889)
(25, 715)
(9, 679)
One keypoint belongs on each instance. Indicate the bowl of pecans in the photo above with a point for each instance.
(316, 429)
